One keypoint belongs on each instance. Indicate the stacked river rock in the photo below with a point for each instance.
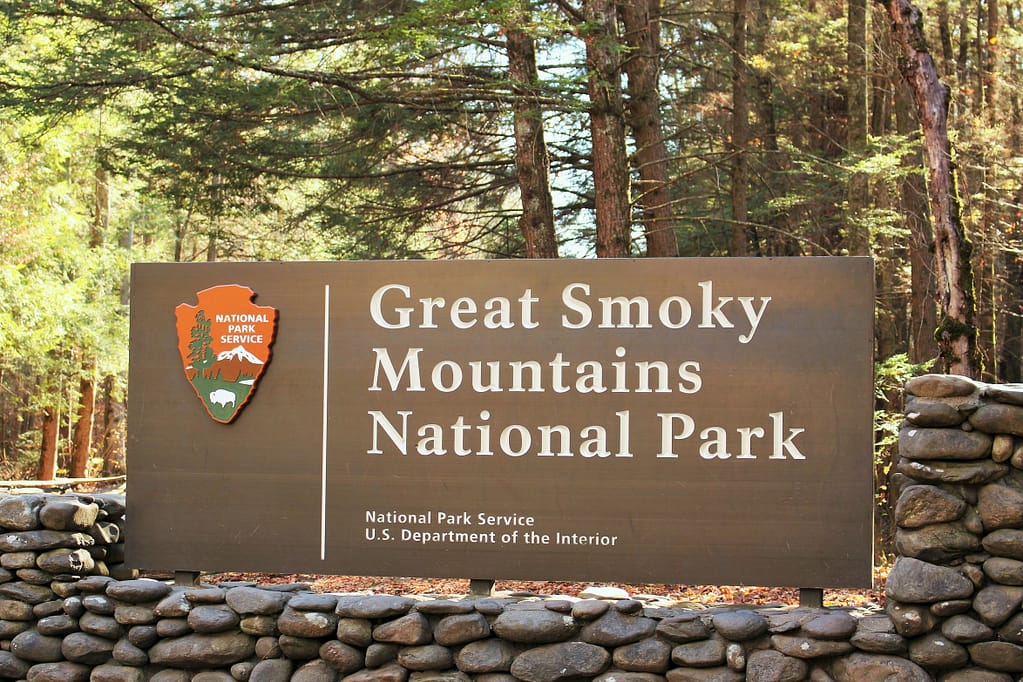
(70, 611)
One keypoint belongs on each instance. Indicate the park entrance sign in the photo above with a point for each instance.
(701, 421)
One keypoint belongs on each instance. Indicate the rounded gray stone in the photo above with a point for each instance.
(923, 505)
(705, 654)
(995, 603)
(935, 651)
(1000, 506)
(32, 646)
(299, 648)
(116, 673)
(378, 654)
(315, 671)
(20, 512)
(58, 625)
(11, 609)
(487, 656)
(16, 560)
(879, 642)
(143, 636)
(173, 627)
(1004, 571)
(26, 592)
(202, 651)
(835, 625)
(171, 675)
(212, 676)
(81, 647)
(174, 605)
(99, 604)
(256, 601)
(341, 657)
(941, 386)
(101, 626)
(807, 647)
(410, 630)
(683, 629)
(133, 614)
(307, 623)
(127, 653)
(610, 676)
(963, 629)
(355, 631)
(998, 418)
(943, 444)
(427, 657)
(272, 670)
(242, 671)
(390, 672)
(1005, 542)
(534, 627)
(911, 620)
(48, 608)
(931, 413)
(311, 601)
(720, 674)
(589, 609)
(858, 667)
(63, 671)
(562, 661)
(974, 675)
(739, 625)
(775, 666)
(461, 629)
(268, 647)
(1012, 631)
(615, 628)
(260, 626)
(445, 607)
(41, 540)
(972, 473)
(646, 656)
(373, 606)
(212, 618)
(12, 667)
(68, 514)
(140, 591)
(205, 595)
(913, 581)
(1000, 656)
(939, 543)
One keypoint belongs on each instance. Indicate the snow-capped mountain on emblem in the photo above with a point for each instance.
(225, 343)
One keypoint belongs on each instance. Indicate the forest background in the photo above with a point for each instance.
(209, 130)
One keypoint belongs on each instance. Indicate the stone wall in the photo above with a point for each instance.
(70, 611)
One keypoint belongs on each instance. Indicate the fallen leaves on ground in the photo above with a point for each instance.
(700, 594)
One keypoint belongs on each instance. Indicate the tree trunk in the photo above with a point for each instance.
(642, 22)
(532, 164)
(113, 419)
(740, 130)
(81, 442)
(956, 333)
(607, 129)
(48, 448)
(857, 241)
(923, 313)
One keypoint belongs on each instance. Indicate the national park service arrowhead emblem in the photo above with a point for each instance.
(225, 343)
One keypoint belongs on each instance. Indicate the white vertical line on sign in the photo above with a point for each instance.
(326, 386)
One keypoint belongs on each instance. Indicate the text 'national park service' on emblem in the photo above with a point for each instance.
(225, 343)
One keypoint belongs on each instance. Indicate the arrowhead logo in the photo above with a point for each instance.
(225, 343)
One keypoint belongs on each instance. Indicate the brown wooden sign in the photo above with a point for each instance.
(702, 421)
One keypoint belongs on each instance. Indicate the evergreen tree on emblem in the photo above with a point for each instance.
(200, 351)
